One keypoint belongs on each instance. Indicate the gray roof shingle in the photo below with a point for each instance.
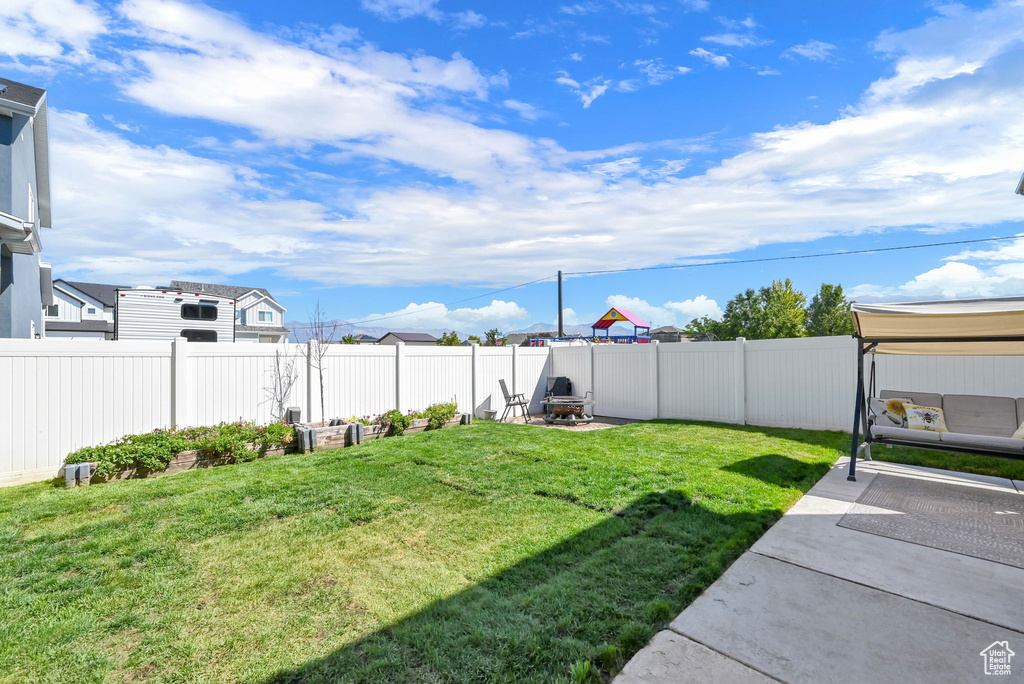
(269, 329)
(231, 291)
(20, 93)
(104, 294)
(413, 337)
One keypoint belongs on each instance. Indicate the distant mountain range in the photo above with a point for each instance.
(301, 334)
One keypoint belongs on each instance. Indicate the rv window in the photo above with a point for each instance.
(199, 335)
(200, 311)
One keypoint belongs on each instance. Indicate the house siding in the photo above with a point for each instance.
(20, 292)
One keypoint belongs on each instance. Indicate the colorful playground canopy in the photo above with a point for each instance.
(616, 315)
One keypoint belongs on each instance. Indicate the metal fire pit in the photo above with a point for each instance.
(568, 410)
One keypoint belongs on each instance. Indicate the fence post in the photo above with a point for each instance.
(655, 377)
(474, 375)
(593, 373)
(310, 377)
(515, 359)
(179, 383)
(399, 362)
(740, 387)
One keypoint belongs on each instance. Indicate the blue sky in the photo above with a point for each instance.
(384, 156)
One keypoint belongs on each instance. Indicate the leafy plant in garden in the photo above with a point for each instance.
(238, 441)
(395, 422)
(439, 414)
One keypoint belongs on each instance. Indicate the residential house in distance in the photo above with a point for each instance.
(410, 338)
(24, 209)
(365, 339)
(670, 333)
(258, 316)
(83, 311)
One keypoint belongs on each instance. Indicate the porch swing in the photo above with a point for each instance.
(968, 327)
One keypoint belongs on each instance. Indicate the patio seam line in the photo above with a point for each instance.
(712, 648)
(890, 593)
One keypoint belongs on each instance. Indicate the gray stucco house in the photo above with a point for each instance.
(25, 285)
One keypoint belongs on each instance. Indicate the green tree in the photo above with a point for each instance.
(782, 312)
(829, 312)
(742, 317)
(348, 339)
(474, 338)
(492, 336)
(449, 339)
(705, 326)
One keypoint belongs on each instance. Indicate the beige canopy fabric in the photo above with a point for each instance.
(971, 322)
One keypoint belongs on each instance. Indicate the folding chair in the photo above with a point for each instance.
(512, 401)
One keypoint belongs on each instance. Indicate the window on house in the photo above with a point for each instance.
(199, 335)
(53, 310)
(201, 311)
(91, 311)
(266, 316)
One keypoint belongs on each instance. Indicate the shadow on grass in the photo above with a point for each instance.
(776, 469)
(597, 596)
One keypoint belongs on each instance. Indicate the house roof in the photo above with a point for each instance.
(668, 329)
(413, 337)
(268, 329)
(19, 93)
(104, 294)
(230, 291)
(365, 338)
(80, 326)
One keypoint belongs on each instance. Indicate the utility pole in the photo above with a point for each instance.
(561, 328)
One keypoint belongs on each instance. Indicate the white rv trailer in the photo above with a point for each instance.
(149, 314)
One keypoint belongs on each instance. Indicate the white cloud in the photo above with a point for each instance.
(814, 50)
(669, 313)
(50, 29)
(657, 71)
(580, 8)
(505, 207)
(434, 315)
(576, 57)
(696, 5)
(997, 272)
(120, 125)
(468, 19)
(588, 91)
(736, 39)
(711, 57)
(396, 10)
(165, 213)
(525, 110)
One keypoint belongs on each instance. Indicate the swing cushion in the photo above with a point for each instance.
(977, 415)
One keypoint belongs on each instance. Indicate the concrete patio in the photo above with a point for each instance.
(815, 602)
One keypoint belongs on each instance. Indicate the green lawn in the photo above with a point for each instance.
(484, 553)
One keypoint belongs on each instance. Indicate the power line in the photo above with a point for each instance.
(437, 306)
(726, 262)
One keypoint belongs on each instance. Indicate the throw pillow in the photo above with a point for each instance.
(889, 412)
(927, 418)
(1019, 434)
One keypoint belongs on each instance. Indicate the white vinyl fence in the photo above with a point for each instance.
(806, 383)
(59, 395)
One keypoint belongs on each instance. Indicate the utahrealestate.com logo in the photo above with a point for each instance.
(997, 658)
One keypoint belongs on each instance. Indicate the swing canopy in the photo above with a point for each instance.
(964, 327)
